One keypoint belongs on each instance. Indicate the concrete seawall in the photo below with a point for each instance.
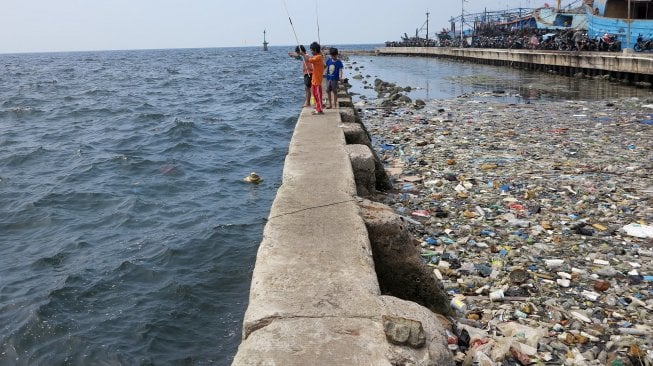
(315, 298)
(636, 68)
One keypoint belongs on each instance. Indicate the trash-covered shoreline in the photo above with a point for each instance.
(537, 218)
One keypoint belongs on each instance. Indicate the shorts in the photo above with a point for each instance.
(307, 80)
(332, 86)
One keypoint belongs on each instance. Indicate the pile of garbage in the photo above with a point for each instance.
(537, 218)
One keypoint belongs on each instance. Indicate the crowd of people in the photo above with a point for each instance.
(539, 39)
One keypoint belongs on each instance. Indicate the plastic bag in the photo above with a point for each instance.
(639, 231)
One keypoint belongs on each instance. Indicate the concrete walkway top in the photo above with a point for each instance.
(315, 297)
(314, 292)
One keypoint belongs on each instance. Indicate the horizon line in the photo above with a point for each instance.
(169, 48)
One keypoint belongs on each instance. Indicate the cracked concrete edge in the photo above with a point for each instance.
(344, 340)
(264, 322)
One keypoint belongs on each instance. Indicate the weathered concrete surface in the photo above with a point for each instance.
(355, 134)
(611, 61)
(315, 297)
(397, 260)
(404, 332)
(434, 351)
(362, 163)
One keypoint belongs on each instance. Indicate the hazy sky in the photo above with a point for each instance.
(76, 25)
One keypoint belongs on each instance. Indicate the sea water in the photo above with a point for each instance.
(127, 236)
(437, 78)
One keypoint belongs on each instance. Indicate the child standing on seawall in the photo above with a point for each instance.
(306, 69)
(334, 74)
(318, 70)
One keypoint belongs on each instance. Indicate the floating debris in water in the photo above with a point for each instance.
(535, 218)
(253, 178)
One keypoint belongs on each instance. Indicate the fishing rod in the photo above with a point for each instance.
(317, 20)
(299, 46)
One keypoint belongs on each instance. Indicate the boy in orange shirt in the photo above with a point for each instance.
(318, 71)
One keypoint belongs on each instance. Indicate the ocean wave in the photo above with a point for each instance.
(56, 260)
(170, 170)
(181, 127)
(21, 159)
(245, 98)
(170, 83)
(80, 174)
(136, 273)
(78, 201)
(78, 245)
(98, 92)
(180, 147)
(290, 121)
(130, 141)
(46, 83)
(152, 116)
(26, 217)
(102, 112)
(20, 111)
(212, 119)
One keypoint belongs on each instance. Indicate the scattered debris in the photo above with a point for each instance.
(535, 217)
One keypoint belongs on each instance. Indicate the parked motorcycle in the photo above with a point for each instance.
(643, 44)
(608, 43)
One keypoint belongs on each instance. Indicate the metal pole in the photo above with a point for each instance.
(520, 23)
(462, 25)
(629, 21)
(427, 27)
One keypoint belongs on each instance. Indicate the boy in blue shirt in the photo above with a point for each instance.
(334, 74)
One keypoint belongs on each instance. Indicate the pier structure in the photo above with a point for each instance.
(315, 297)
(628, 67)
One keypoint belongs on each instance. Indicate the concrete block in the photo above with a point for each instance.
(397, 260)
(363, 165)
(315, 342)
(348, 115)
(345, 104)
(355, 134)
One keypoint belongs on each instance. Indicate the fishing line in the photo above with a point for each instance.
(299, 46)
(290, 20)
(317, 20)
